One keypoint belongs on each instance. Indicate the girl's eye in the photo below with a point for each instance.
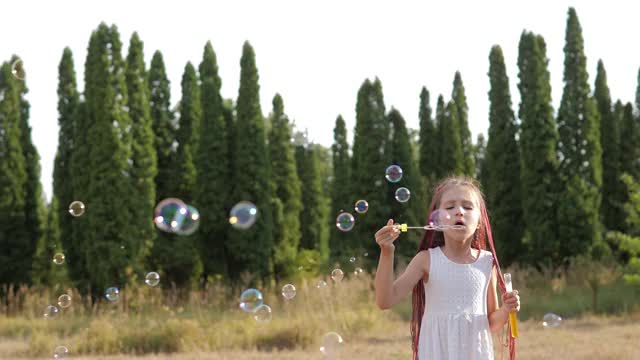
(449, 208)
(468, 208)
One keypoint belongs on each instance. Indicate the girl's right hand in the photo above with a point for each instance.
(387, 235)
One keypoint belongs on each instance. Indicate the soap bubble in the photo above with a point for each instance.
(64, 301)
(289, 291)
(337, 275)
(76, 208)
(58, 258)
(403, 194)
(262, 313)
(51, 312)
(331, 344)
(169, 214)
(393, 173)
(152, 278)
(250, 300)
(362, 206)
(112, 294)
(243, 215)
(551, 320)
(345, 221)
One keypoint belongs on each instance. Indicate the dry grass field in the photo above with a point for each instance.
(147, 325)
(587, 338)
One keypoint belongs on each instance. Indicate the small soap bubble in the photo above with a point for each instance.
(352, 259)
(262, 313)
(60, 352)
(51, 312)
(64, 301)
(76, 208)
(358, 271)
(337, 275)
(243, 215)
(190, 223)
(289, 291)
(331, 345)
(321, 284)
(152, 278)
(403, 194)
(345, 221)
(169, 214)
(58, 258)
(250, 300)
(362, 206)
(439, 220)
(551, 320)
(112, 294)
(393, 173)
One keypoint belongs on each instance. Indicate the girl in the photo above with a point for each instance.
(455, 304)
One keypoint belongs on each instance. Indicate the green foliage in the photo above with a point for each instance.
(212, 195)
(287, 192)
(502, 170)
(451, 151)
(313, 218)
(252, 249)
(539, 163)
(370, 159)
(460, 100)
(580, 150)
(16, 246)
(412, 211)
(143, 154)
(340, 243)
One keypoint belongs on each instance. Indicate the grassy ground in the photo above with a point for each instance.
(586, 338)
(149, 324)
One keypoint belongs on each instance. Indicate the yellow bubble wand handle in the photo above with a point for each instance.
(512, 315)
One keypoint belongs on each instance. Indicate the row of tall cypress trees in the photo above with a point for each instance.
(552, 179)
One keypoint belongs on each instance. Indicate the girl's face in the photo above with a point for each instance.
(461, 206)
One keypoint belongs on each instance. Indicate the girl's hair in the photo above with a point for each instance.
(434, 239)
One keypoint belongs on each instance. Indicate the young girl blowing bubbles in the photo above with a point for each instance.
(455, 304)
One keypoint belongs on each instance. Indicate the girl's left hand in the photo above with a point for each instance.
(511, 301)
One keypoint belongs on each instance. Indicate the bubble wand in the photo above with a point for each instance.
(404, 227)
(512, 315)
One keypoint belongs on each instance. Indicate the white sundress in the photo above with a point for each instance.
(455, 325)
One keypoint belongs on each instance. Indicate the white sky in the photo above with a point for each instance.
(316, 54)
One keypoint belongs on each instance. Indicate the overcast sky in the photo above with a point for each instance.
(316, 54)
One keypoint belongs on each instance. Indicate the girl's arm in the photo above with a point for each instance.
(390, 292)
(510, 302)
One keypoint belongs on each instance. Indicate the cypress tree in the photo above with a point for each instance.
(63, 180)
(341, 244)
(451, 151)
(16, 249)
(177, 256)
(314, 230)
(460, 99)
(287, 191)
(106, 237)
(212, 176)
(163, 124)
(411, 211)
(629, 150)
(427, 139)
(539, 162)
(479, 154)
(370, 159)
(188, 135)
(611, 212)
(251, 249)
(503, 164)
(143, 154)
(438, 163)
(580, 151)
(35, 211)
